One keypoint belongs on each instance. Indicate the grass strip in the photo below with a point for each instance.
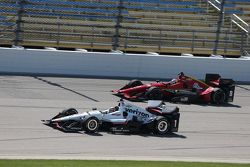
(109, 163)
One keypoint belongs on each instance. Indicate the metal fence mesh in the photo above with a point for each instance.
(130, 25)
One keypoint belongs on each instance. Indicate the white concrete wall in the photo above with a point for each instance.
(119, 65)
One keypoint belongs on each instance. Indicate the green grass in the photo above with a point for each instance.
(90, 163)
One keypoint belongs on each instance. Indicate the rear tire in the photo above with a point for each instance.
(162, 126)
(154, 93)
(91, 125)
(218, 96)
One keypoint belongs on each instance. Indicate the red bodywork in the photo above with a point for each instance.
(182, 82)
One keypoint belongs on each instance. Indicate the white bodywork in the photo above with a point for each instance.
(125, 112)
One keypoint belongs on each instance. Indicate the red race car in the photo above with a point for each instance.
(183, 89)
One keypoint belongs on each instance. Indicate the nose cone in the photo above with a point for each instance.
(66, 118)
(74, 117)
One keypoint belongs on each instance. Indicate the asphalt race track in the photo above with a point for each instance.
(206, 133)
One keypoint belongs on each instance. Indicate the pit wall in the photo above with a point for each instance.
(119, 65)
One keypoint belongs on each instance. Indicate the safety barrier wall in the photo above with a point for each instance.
(54, 62)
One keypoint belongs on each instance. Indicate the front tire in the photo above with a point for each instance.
(66, 112)
(70, 111)
(162, 126)
(134, 83)
(91, 125)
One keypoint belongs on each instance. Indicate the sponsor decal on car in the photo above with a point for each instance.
(197, 86)
(137, 112)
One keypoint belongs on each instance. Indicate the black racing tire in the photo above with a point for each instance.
(154, 93)
(218, 96)
(91, 125)
(134, 83)
(162, 126)
(70, 111)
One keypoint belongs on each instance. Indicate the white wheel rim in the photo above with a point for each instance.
(92, 124)
(162, 126)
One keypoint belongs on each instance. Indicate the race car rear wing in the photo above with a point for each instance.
(211, 77)
(227, 85)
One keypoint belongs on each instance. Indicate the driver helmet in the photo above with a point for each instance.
(181, 75)
(113, 109)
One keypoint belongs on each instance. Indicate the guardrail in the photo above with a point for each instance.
(215, 3)
(240, 23)
(236, 20)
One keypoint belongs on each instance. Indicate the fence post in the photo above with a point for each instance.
(219, 24)
(226, 42)
(118, 25)
(242, 42)
(126, 40)
(93, 38)
(160, 41)
(193, 36)
(58, 32)
(19, 21)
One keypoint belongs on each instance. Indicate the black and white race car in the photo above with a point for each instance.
(126, 117)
